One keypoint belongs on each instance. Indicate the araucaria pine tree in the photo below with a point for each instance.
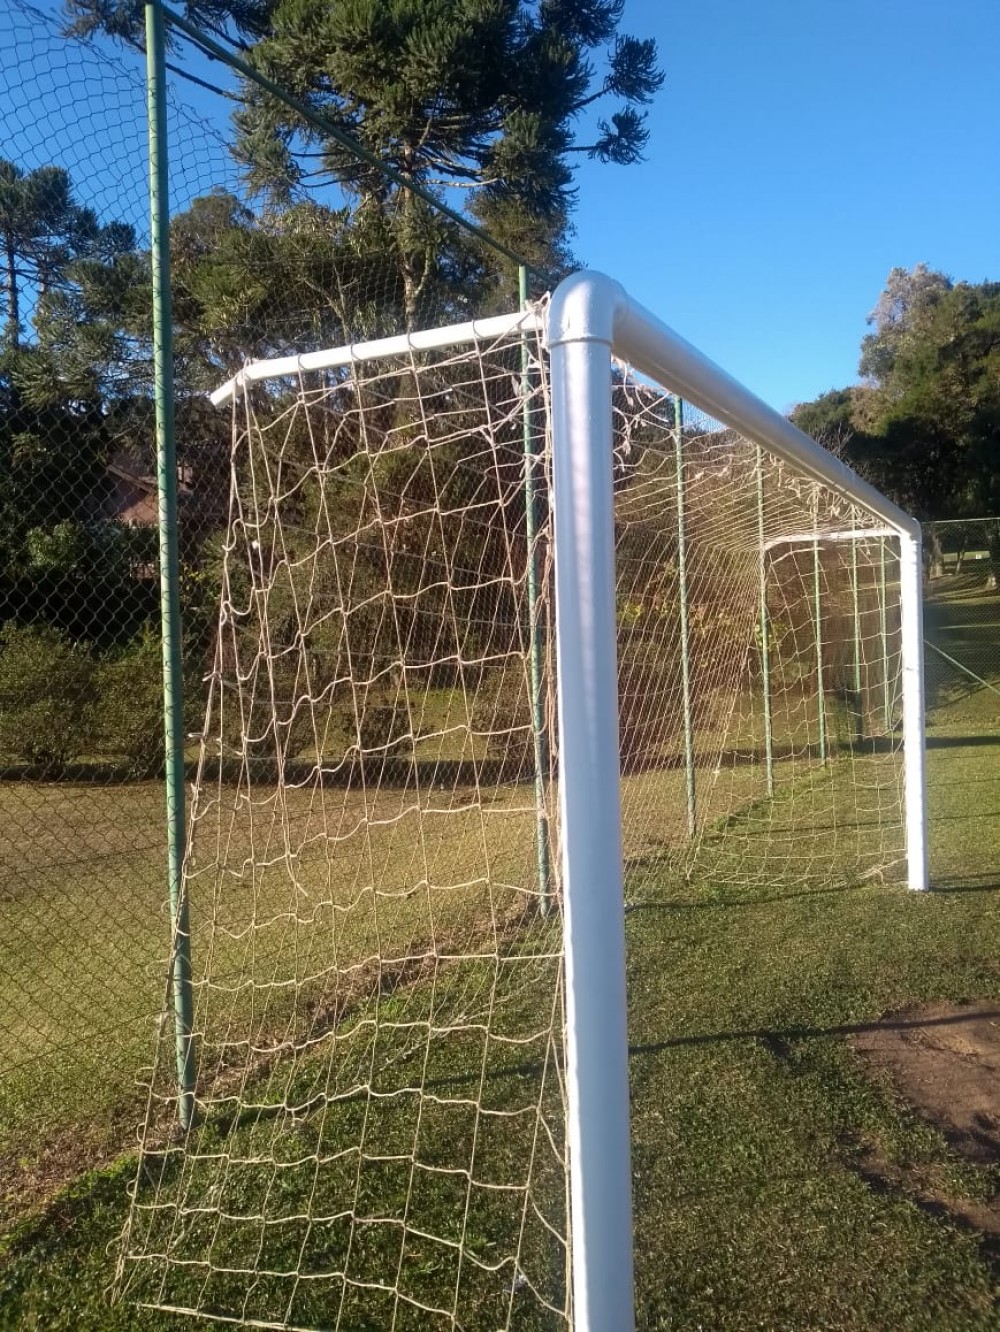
(493, 97)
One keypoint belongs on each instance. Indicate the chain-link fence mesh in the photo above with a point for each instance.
(83, 896)
(82, 848)
(962, 671)
(961, 620)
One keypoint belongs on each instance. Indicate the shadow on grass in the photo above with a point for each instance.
(981, 740)
(743, 903)
(970, 884)
(778, 1042)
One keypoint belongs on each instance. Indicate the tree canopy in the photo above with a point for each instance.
(925, 424)
(485, 105)
(490, 102)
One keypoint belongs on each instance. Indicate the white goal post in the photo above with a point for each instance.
(591, 320)
(356, 920)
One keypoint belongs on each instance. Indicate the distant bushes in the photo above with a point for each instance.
(60, 703)
(46, 694)
(126, 715)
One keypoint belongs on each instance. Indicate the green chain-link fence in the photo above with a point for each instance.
(962, 672)
(962, 620)
(84, 906)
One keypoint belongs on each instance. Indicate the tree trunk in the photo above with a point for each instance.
(935, 555)
(413, 281)
(411, 285)
(13, 303)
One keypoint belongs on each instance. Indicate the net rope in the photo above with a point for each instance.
(831, 620)
(380, 1139)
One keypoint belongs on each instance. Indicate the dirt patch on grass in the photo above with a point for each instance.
(943, 1060)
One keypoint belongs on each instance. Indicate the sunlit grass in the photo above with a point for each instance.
(752, 950)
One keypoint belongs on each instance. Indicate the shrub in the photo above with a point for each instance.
(126, 719)
(46, 690)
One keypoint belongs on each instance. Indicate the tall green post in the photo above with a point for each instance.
(765, 644)
(170, 613)
(817, 615)
(858, 666)
(535, 645)
(692, 809)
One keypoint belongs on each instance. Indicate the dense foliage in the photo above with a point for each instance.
(483, 104)
(924, 424)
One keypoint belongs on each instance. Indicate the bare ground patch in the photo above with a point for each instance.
(943, 1059)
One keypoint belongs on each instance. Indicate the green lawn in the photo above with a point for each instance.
(751, 1115)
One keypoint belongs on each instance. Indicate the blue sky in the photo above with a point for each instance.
(799, 150)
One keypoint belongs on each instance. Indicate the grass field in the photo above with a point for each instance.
(753, 1117)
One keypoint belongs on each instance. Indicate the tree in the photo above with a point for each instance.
(925, 427)
(483, 96)
(76, 306)
(43, 230)
(830, 419)
(251, 286)
(907, 300)
(238, 21)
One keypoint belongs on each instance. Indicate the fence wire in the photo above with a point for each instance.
(83, 903)
(82, 818)
(962, 677)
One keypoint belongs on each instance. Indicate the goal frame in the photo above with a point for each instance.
(591, 321)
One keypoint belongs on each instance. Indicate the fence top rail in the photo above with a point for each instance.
(590, 307)
(353, 353)
(961, 522)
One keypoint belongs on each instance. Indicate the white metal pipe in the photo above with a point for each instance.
(454, 335)
(590, 305)
(809, 538)
(594, 924)
(914, 768)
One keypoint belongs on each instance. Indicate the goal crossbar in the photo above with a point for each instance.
(354, 353)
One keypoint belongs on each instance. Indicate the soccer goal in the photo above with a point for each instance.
(520, 621)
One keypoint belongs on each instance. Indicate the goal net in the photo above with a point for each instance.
(759, 663)
(373, 873)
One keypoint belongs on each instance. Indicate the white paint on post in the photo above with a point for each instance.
(914, 767)
(597, 1036)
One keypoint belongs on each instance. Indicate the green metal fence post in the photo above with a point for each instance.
(166, 476)
(539, 736)
(765, 645)
(692, 810)
(817, 614)
(856, 609)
